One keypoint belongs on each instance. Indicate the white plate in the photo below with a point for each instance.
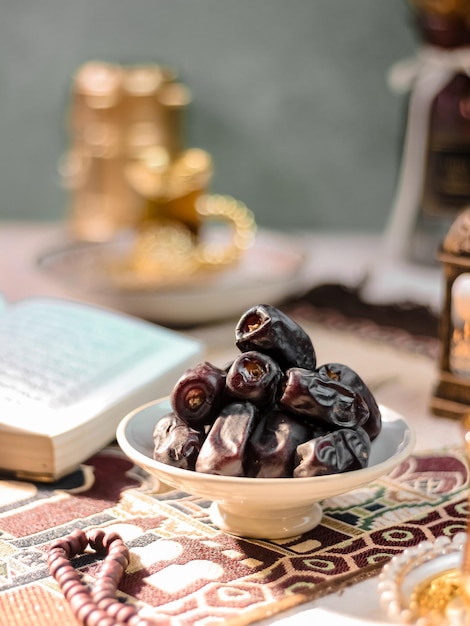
(270, 271)
(263, 507)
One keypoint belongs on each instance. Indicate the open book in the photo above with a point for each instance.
(69, 373)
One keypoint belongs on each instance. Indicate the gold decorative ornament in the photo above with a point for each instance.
(432, 596)
(167, 253)
(169, 189)
(116, 113)
(128, 171)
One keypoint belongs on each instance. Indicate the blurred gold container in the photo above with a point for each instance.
(116, 114)
(168, 189)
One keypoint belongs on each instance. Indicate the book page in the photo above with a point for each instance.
(53, 355)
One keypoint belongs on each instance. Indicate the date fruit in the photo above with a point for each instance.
(321, 396)
(223, 451)
(339, 451)
(272, 447)
(267, 329)
(176, 443)
(349, 378)
(253, 376)
(198, 395)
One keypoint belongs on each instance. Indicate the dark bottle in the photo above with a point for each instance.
(445, 182)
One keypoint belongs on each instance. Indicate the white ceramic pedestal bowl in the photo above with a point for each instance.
(265, 508)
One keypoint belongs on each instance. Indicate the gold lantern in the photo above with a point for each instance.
(451, 397)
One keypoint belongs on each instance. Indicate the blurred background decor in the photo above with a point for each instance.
(434, 183)
(289, 99)
(451, 397)
(114, 115)
(286, 100)
(128, 170)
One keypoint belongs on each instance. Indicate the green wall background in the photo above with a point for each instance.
(290, 98)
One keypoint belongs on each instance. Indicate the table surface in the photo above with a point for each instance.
(401, 380)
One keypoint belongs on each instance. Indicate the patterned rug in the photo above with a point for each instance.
(185, 571)
(408, 327)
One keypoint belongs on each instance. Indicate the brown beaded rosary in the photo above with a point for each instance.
(98, 606)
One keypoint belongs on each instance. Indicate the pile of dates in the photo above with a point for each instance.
(272, 412)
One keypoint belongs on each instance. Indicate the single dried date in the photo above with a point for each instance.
(349, 378)
(253, 376)
(199, 393)
(176, 443)
(325, 399)
(267, 329)
(272, 447)
(340, 451)
(223, 451)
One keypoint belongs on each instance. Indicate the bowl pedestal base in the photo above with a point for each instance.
(265, 524)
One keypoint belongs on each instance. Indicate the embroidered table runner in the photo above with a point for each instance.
(187, 572)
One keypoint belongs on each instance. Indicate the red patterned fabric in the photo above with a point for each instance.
(185, 570)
